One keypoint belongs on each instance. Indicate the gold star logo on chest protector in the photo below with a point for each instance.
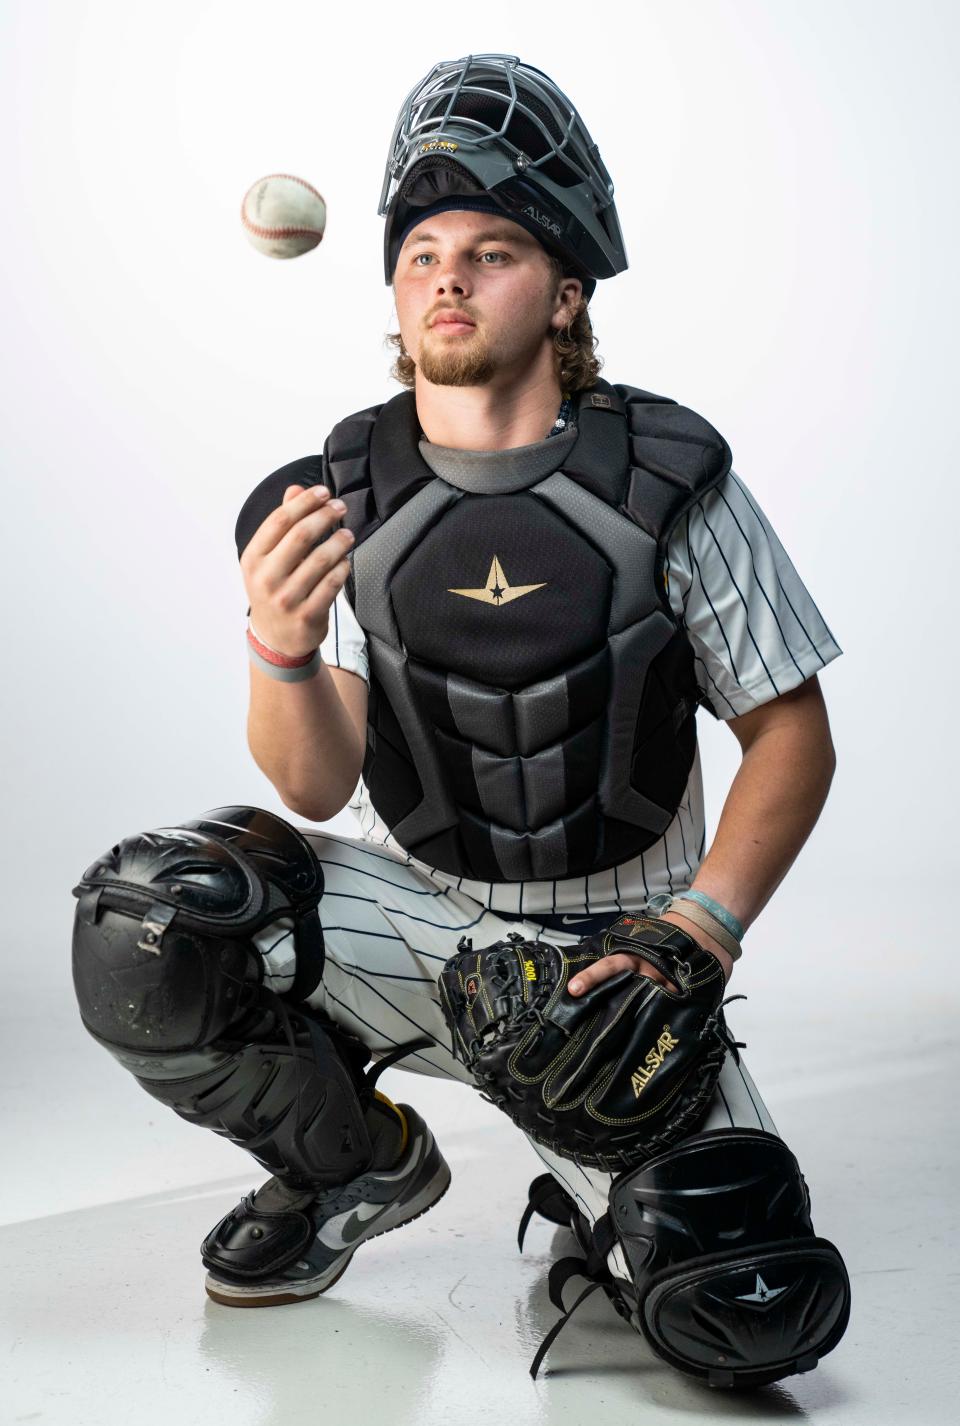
(497, 589)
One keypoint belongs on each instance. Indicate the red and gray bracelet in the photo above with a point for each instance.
(286, 668)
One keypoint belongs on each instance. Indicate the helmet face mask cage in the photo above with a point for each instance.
(489, 124)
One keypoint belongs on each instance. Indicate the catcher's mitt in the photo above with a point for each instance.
(608, 1077)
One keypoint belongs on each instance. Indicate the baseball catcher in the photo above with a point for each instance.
(484, 617)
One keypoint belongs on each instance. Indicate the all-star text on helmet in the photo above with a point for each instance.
(488, 127)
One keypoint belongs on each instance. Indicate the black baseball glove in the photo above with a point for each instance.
(608, 1077)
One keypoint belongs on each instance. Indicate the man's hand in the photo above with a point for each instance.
(613, 965)
(291, 584)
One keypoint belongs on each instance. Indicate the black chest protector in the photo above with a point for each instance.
(533, 699)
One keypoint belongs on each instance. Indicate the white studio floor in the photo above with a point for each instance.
(107, 1196)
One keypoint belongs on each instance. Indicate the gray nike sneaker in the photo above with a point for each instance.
(282, 1245)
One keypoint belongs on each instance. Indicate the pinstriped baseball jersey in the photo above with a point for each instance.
(756, 633)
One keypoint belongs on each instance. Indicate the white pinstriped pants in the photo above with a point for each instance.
(388, 930)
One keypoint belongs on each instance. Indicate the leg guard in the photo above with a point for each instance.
(732, 1285)
(295, 1097)
(169, 979)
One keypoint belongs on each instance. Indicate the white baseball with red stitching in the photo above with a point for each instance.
(283, 216)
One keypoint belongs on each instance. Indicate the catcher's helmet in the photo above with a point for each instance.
(489, 126)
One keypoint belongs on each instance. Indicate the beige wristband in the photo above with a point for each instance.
(700, 916)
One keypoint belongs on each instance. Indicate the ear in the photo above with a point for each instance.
(569, 301)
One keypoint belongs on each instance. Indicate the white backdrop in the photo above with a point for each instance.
(786, 184)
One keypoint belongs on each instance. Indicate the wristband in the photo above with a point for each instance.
(725, 917)
(280, 666)
(703, 919)
(697, 916)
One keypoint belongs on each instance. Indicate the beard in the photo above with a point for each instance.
(465, 361)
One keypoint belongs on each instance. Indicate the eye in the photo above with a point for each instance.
(417, 259)
(498, 258)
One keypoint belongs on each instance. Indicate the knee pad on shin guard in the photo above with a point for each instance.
(732, 1284)
(163, 956)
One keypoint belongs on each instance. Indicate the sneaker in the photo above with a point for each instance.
(283, 1245)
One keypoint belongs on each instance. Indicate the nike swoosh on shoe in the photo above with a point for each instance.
(353, 1229)
(345, 1228)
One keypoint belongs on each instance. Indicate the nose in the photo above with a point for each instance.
(453, 278)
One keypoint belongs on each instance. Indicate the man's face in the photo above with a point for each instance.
(476, 298)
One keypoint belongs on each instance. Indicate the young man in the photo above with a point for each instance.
(487, 614)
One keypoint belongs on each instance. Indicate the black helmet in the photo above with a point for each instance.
(487, 127)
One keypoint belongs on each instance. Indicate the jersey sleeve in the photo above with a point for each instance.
(345, 645)
(755, 630)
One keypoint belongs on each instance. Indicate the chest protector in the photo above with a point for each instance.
(532, 708)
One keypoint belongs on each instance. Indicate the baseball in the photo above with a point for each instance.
(283, 216)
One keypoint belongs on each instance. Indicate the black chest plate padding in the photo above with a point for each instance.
(502, 590)
(395, 455)
(600, 459)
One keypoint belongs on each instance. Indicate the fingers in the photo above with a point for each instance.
(312, 580)
(296, 524)
(609, 966)
(311, 568)
(294, 566)
(300, 541)
(308, 534)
